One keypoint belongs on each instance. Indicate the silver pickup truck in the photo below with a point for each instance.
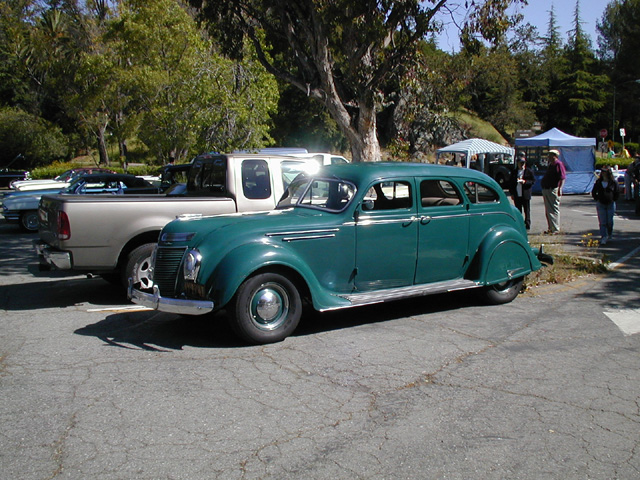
(114, 236)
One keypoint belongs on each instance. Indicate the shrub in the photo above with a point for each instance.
(39, 141)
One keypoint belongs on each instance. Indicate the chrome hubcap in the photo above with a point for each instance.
(269, 306)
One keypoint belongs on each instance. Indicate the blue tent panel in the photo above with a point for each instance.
(577, 154)
(555, 138)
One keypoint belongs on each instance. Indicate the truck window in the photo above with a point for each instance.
(256, 180)
(207, 176)
(291, 169)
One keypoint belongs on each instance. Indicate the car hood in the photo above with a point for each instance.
(223, 229)
(15, 198)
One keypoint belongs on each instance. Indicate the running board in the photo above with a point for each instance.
(379, 296)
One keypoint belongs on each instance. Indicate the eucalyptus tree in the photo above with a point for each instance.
(339, 52)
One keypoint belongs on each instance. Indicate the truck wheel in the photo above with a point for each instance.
(265, 309)
(29, 221)
(139, 266)
(503, 292)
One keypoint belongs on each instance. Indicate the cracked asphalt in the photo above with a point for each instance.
(441, 387)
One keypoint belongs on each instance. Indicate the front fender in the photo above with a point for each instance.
(503, 255)
(241, 262)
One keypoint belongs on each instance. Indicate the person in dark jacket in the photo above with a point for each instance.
(605, 193)
(520, 185)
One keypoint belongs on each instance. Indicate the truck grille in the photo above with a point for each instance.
(166, 268)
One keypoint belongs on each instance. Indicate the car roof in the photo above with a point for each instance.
(366, 172)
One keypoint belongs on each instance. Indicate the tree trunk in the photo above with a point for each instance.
(102, 146)
(366, 147)
(361, 131)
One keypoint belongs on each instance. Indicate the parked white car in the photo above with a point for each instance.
(61, 181)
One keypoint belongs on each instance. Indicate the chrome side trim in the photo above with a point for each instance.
(380, 296)
(169, 305)
(303, 232)
(365, 221)
(308, 237)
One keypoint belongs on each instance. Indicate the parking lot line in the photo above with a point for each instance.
(627, 320)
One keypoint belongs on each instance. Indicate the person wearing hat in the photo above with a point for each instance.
(552, 184)
(520, 185)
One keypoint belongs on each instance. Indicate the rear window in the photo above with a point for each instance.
(479, 193)
(208, 176)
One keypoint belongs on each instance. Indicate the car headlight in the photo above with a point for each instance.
(191, 267)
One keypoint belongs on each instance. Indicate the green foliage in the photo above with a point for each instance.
(299, 122)
(53, 170)
(190, 98)
(39, 141)
(612, 162)
(56, 168)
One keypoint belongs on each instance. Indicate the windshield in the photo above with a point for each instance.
(330, 194)
(73, 185)
(63, 177)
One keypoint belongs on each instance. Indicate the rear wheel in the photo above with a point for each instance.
(139, 266)
(503, 292)
(29, 221)
(266, 308)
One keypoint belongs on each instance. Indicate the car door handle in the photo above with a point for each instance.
(424, 220)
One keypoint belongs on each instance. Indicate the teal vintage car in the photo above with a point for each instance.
(348, 235)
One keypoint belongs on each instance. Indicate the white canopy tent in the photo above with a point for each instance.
(494, 159)
(475, 146)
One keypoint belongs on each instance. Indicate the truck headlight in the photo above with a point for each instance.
(191, 267)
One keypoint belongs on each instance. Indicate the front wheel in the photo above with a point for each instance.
(503, 292)
(265, 309)
(29, 221)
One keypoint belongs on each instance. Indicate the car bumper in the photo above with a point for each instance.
(169, 305)
(60, 260)
(11, 217)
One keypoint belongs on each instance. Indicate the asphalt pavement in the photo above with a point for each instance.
(579, 228)
(441, 387)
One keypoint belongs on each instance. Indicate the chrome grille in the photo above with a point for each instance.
(166, 268)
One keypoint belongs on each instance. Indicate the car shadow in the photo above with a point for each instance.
(61, 293)
(156, 331)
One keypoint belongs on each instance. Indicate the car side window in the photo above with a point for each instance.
(256, 181)
(436, 193)
(479, 193)
(388, 195)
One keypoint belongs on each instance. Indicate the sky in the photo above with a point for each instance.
(537, 14)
